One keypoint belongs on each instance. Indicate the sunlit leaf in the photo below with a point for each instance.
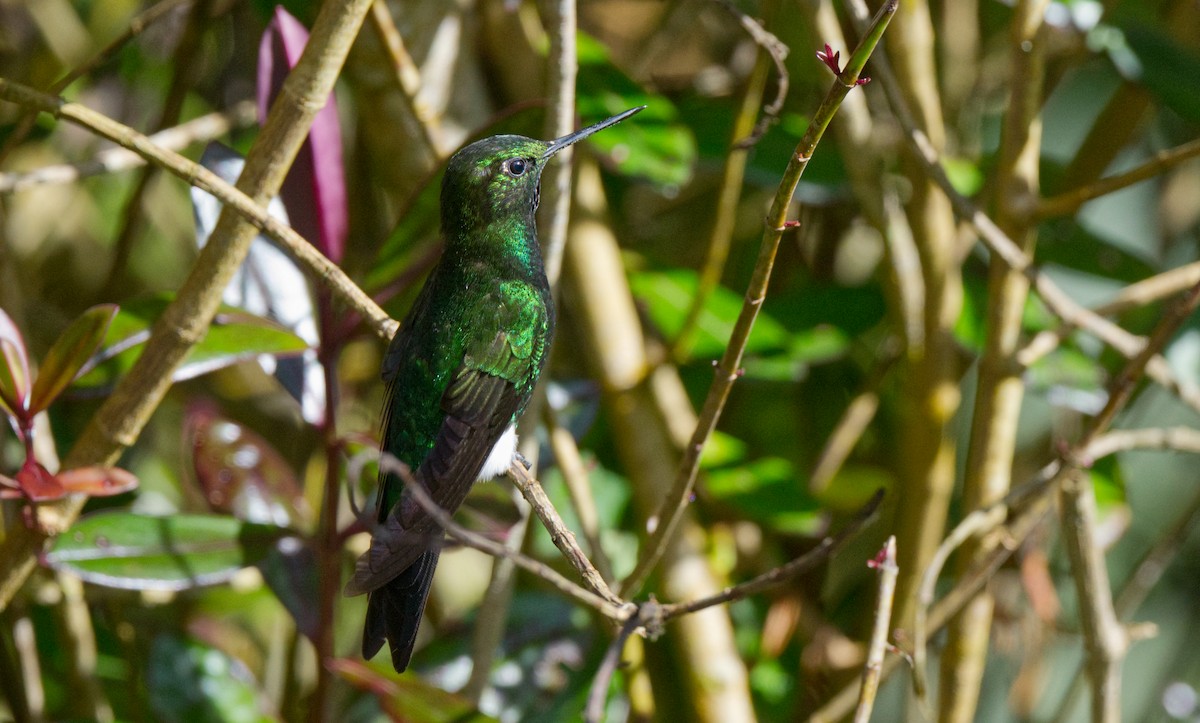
(241, 474)
(654, 144)
(668, 296)
(406, 697)
(69, 353)
(14, 368)
(190, 682)
(234, 337)
(314, 191)
(141, 552)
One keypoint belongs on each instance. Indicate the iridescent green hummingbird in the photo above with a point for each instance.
(460, 371)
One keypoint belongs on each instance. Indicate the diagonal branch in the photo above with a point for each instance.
(676, 501)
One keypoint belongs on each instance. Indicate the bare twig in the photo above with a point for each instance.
(814, 557)
(1104, 637)
(563, 538)
(1176, 439)
(593, 712)
(774, 49)
(886, 564)
(613, 610)
(1068, 203)
(115, 160)
(676, 501)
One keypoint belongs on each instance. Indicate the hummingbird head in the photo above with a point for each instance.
(495, 180)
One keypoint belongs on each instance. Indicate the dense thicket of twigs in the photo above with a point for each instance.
(964, 273)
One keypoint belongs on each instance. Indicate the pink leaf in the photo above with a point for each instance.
(38, 484)
(314, 191)
(98, 481)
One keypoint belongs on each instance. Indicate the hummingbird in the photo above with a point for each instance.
(460, 371)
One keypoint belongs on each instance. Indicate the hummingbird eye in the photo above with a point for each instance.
(516, 167)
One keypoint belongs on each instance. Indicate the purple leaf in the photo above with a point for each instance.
(14, 369)
(314, 191)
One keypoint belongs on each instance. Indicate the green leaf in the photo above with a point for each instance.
(190, 681)
(654, 144)
(69, 353)
(132, 551)
(234, 337)
(668, 296)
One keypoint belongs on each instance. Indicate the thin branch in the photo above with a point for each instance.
(1152, 289)
(670, 511)
(1175, 439)
(563, 538)
(114, 160)
(593, 712)
(886, 564)
(1068, 203)
(771, 48)
(809, 560)
(320, 267)
(612, 610)
(1104, 638)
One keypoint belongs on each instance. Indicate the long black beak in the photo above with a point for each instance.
(573, 138)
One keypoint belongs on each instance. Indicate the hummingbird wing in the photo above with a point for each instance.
(479, 404)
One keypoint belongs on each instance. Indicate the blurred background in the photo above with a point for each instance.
(891, 352)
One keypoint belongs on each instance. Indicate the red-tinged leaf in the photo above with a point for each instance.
(37, 484)
(406, 697)
(241, 474)
(314, 191)
(97, 481)
(70, 352)
(14, 369)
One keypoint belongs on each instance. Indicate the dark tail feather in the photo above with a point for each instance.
(394, 611)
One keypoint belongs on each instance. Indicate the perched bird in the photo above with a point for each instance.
(460, 371)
